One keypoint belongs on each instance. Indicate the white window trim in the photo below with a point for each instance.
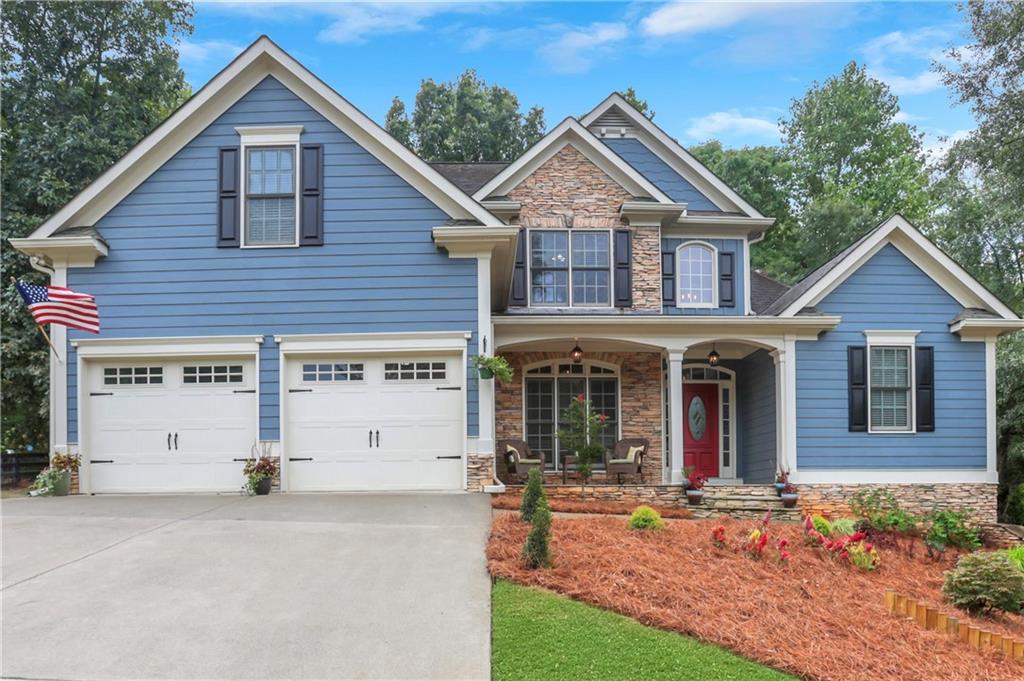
(268, 136)
(714, 276)
(569, 233)
(894, 339)
(554, 375)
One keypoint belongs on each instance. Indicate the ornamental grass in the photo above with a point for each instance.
(810, 615)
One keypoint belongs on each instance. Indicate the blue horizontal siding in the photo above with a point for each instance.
(890, 292)
(734, 246)
(660, 174)
(756, 387)
(378, 270)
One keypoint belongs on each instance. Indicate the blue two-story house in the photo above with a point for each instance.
(276, 274)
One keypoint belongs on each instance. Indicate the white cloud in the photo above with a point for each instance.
(937, 143)
(356, 22)
(732, 123)
(690, 18)
(199, 53)
(576, 48)
(923, 82)
(890, 55)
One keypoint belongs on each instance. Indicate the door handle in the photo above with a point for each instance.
(168, 442)
(378, 438)
(371, 437)
(175, 441)
(455, 456)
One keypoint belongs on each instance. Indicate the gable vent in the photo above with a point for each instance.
(612, 123)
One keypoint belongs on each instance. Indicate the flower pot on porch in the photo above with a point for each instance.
(485, 373)
(694, 496)
(779, 486)
(263, 486)
(62, 485)
(789, 500)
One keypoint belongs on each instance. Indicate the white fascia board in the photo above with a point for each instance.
(672, 153)
(374, 343)
(726, 226)
(881, 476)
(890, 337)
(571, 132)
(816, 321)
(471, 241)
(262, 58)
(167, 346)
(73, 251)
(980, 329)
(919, 250)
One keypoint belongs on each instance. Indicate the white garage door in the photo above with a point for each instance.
(390, 423)
(156, 425)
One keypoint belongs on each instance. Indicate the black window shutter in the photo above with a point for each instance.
(924, 361)
(311, 200)
(668, 278)
(857, 385)
(518, 295)
(623, 268)
(726, 280)
(228, 234)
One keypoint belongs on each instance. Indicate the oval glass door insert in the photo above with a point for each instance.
(698, 418)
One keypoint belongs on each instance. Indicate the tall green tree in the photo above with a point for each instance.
(981, 221)
(82, 83)
(641, 105)
(854, 164)
(761, 175)
(466, 120)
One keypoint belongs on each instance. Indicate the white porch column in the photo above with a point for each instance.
(785, 400)
(59, 374)
(675, 414)
(485, 340)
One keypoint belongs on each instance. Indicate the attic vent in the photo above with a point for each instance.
(612, 123)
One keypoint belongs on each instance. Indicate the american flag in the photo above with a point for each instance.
(59, 305)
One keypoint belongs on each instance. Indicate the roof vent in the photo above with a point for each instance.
(612, 123)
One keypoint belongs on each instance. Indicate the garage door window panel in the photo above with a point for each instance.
(332, 372)
(212, 373)
(133, 375)
(415, 371)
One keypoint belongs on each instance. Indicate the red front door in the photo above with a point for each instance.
(700, 429)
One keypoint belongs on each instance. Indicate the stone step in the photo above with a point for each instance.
(780, 514)
(762, 498)
(743, 505)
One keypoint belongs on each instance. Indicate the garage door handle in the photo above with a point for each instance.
(371, 437)
(378, 438)
(456, 456)
(240, 460)
(102, 461)
(168, 442)
(99, 394)
(253, 390)
(448, 387)
(175, 441)
(300, 390)
(308, 458)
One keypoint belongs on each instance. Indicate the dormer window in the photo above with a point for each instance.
(696, 264)
(570, 269)
(270, 185)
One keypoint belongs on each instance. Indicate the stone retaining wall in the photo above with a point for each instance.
(479, 471)
(978, 499)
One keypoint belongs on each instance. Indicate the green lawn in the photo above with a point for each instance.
(541, 636)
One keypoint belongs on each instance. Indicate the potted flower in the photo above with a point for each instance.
(687, 472)
(781, 480)
(56, 479)
(493, 367)
(695, 491)
(259, 472)
(789, 496)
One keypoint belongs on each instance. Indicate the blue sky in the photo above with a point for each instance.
(725, 70)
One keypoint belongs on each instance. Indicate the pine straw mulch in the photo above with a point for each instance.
(812, 617)
(512, 502)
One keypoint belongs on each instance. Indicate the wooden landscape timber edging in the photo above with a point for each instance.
(934, 620)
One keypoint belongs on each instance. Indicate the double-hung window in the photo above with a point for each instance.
(270, 196)
(570, 268)
(890, 381)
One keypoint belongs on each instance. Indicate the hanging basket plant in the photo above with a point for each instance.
(494, 367)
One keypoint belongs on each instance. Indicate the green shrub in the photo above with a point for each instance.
(983, 582)
(537, 549)
(1015, 505)
(646, 518)
(843, 527)
(533, 493)
(952, 528)
(821, 524)
(880, 511)
(1016, 556)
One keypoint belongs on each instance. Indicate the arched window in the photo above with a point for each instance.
(696, 264)
(548, 389)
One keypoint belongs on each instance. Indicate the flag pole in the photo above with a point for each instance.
(43, 331)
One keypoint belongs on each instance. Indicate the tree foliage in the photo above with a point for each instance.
(82, 83)
(641, 105)
(466, 120)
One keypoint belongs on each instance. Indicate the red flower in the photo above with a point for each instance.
(602, 418)
(580, 398)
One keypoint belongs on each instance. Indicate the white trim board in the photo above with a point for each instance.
(680, 160)
(570, 133)
(261, 59)
(881, 476)
(921, 252)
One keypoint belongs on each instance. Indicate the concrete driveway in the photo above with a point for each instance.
(287, 586)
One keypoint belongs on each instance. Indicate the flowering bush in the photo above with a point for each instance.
(758, 539)
(780, 546)
(718, 537)
(257, 469)
(696, 480)
(65, 462)
(863, 555)
(850, 548)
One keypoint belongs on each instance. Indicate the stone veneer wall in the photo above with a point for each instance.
(978, 499)
(639, 409)
(479, 471)
(568, 190)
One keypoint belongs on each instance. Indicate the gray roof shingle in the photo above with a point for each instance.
(469, 177)
(764, 291)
